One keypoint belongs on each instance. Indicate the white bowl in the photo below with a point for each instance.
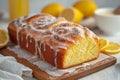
(108, 22)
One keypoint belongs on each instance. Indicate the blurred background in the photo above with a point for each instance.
(85, 17)
(37, 5)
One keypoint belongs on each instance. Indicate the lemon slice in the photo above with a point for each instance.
(103, 44)
(113, 48)
(53, 8)
(4, 38)
(72, 14)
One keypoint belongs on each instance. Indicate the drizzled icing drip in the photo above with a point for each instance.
(27, 41)
(63, 34)
(59, 37)
(55, 58)
(29, 28)
(20, 24)
(36, 48)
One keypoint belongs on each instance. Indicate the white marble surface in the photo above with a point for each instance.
(110, 73)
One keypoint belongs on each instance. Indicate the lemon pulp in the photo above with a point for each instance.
(3, 38)
(72, 14)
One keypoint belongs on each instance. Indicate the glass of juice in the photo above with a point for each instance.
(18, 8)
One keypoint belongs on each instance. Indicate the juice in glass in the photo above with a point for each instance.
(18, 8)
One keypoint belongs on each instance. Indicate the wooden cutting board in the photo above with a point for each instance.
(78, 73)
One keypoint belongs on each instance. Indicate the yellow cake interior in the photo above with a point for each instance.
(83, 50)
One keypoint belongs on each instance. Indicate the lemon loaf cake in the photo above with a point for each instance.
(55, 40)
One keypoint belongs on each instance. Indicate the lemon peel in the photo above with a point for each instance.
(53, 8)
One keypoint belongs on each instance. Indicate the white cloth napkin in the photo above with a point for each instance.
(10, 69)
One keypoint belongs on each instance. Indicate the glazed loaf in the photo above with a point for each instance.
(55, 40)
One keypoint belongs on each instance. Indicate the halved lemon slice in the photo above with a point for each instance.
(103, 44)
(113, 48)
(4, 38)
(72, 14)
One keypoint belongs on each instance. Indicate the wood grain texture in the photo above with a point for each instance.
(79, 73)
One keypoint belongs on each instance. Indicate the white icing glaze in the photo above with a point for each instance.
(27, 41)
(17, 34)
(59, 36)
(43, 22)
(36, 49)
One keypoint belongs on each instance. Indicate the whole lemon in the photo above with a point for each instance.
(87, 7)
(53, 8)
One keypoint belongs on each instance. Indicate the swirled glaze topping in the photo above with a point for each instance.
(43, 22)
(48, 30)
(21, 21)
(67, 32)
